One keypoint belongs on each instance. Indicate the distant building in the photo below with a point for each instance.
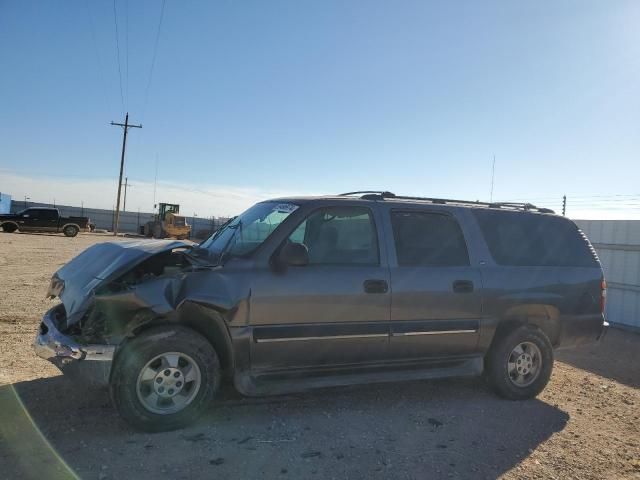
(5, 203)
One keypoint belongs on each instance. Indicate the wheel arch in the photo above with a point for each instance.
(544, 317)
(207, 320)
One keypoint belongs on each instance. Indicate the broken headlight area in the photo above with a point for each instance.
(137, 296)
(56, 286)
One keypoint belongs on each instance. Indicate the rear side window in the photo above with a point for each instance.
(48, 215)
(428, 239)
(525, 239)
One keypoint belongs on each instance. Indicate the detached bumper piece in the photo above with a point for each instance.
(89, 363)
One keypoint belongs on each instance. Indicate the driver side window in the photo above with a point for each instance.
(339, 236)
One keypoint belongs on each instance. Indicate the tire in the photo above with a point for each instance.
(157, 232)
(133, 397)
(9, 227)
(510, 363)
(70, 231)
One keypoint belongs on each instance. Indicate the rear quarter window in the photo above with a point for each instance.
(529, 239)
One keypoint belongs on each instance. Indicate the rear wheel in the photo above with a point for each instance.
(165, 378)
(70, 231)
(9, 227)
(519, 363)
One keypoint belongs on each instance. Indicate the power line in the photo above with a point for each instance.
(126, 45)
(115, 21)
(97, 53)
(153, 59)
(583, 197)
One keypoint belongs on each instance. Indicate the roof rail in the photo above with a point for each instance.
(367, 192)
(381, 195)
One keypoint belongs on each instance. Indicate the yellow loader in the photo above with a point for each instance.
(168, 223)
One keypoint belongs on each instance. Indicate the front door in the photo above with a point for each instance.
(333, 311)
(436, 304)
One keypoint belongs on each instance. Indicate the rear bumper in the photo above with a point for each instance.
(89, 363)
(582, 330)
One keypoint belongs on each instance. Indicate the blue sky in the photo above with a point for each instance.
(258, 98)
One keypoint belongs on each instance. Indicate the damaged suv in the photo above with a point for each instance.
(299, 293)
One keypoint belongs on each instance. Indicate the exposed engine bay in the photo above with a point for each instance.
(106, 290)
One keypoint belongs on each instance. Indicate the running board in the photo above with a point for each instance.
(293, 381)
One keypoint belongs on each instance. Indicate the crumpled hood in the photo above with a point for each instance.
(76, 282)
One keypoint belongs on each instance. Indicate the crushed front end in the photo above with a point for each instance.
(90, 362)
(104, 292)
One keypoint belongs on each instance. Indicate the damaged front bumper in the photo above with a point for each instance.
(90, 363)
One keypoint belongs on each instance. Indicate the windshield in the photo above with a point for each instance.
(249, 230)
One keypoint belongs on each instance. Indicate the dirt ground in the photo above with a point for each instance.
(585, 425)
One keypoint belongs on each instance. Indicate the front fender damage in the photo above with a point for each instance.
(151, 282)
(120, 314)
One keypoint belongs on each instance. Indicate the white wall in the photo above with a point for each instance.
(618, 245)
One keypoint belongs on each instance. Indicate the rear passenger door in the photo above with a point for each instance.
(436, 303)
(47, 220)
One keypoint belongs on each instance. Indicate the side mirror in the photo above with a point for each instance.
(295, 254)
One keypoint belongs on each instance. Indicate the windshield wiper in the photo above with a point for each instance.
(225, 253)
(207, 243)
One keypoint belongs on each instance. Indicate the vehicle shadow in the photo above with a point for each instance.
(39, 234)
(615, 357)
(428, 429)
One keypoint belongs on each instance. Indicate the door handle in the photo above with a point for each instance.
(376, 286)
(463, 286)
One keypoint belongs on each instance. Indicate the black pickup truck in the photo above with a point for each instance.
(43, 220)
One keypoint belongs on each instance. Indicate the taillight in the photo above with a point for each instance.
(603, 295)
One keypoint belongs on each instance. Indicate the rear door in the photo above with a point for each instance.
(436, 303)
(48, 220)
(333, 311)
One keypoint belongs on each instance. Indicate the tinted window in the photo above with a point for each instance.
(41, 214)
(527, 239)
(48, 215)
(428, 239)
(339, 235)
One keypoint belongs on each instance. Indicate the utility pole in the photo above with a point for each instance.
(126, 185)
(564, 205)
(126, 128)
(155, 184)
(493, 173)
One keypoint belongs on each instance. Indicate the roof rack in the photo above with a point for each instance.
(381, 195)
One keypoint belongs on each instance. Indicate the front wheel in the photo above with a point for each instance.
(519, 364)
(165, 378)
